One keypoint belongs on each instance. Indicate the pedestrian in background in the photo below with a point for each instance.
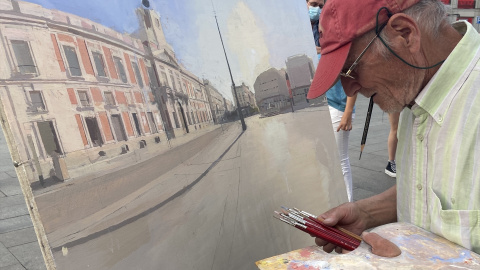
(391, 169)
(341, 107)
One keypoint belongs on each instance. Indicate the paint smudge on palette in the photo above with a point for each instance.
(309, 265)
(305, 253)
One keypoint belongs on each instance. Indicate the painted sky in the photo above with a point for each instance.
(257, 34)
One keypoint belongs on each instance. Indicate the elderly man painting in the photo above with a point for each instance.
(407, 55)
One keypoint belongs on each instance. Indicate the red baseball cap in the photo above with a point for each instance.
(343, 21)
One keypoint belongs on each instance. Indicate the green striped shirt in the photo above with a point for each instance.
(438, 152)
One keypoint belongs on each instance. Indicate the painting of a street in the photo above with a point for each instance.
(160, 134)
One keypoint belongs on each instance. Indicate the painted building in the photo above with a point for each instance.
(228, 105)
(216, 100)
(181, 92)
(271, 91)
(245, 97)
(300, 71)
(75, 91)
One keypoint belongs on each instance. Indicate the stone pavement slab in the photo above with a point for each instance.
(19, 248)
(10, 187)
(18, 237)
(13, 267)
(29, 256)
(6, 258)
(12, 200)
(15, 223)
(13, 211)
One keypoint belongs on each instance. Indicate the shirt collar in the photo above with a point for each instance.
(436, 96)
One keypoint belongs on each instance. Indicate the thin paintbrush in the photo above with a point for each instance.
(367, 124)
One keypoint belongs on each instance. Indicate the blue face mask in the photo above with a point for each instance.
(314, 13)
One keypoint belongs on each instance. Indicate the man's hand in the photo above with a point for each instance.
(361, 215)
(348, 216)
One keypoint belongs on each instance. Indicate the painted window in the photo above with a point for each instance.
(137, 124)
(109, 98)
(94, 131)
(153, 78)
(188, 118)
(173, 81)
(164, 78)
(72, 60)
(99, 64)
(120, 69)
(175, 118)
(83, 97)
(137, 74)
(118, 128)
(49, 137)
(179, 82)
(24, 57)
(37, 101)
(151, 122)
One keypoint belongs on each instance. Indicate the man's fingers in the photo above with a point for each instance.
(320, 242)
(331, 219)
(381, 246)
(329, 247)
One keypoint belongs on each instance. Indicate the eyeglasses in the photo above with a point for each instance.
(352, 67)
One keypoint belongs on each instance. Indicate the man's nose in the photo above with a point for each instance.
(350, 86)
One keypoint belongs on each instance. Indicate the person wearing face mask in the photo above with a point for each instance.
(314, 10)
(341, 107)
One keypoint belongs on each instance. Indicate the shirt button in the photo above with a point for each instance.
(419, 186)
(420, 137)
(453, 200)
(440, 118)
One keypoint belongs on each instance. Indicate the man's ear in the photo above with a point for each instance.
(403, 32)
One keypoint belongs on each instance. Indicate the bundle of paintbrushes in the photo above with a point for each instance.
(314, 226)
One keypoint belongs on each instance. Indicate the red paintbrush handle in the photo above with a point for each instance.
(328, 237)
(334, 230)
(334, 238)
(334, 234)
